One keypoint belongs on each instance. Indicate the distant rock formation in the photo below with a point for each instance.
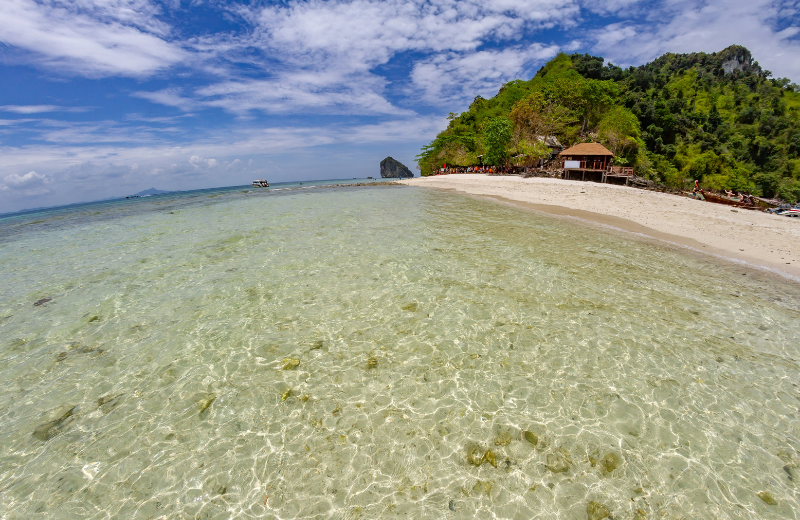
(393, 169)
(151, 191)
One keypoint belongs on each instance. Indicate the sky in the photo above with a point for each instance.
(104, 98)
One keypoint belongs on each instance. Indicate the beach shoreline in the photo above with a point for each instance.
(743, 236)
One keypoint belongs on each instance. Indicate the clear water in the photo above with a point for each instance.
(345, 352)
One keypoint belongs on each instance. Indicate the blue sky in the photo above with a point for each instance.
(102, 98)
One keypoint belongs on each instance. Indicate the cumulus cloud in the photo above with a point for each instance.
(28, 184)
(199, 161)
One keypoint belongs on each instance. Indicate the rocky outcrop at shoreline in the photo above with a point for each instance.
(392, 168)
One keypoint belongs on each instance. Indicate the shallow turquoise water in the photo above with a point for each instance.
(426, 325)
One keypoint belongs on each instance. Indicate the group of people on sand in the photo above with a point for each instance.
(744, 198)
(740, 197)
(445, 170)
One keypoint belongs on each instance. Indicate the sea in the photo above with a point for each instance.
(366, 352)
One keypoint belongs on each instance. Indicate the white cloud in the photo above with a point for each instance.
(95, 38)
(199, 161)
(457, 77)
(29, 109)
(320, 56)
(292, 93)
(28, 184)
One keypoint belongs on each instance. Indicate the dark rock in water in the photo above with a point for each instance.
(610, 462)
(50, 429)
(290, 364)
(107, 402)
(77, 349)
(474, 454)
(206, 403)
(452, 505)
(792, 472)
(531, 437)
(597, 511)
(504, 435)
(393, 169)
(41, 302)
(557, 463)
(490, 457)
(766, 496)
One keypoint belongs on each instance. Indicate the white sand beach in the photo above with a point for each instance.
(755, 237)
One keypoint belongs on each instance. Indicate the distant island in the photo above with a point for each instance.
(393, 169)
(718, 118)
(151, 191)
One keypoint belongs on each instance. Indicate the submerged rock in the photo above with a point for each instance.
(317, 344)
(766, 496)
(107, 402)
(372, 363)
(531, 437)
(206, 403)
(482, 487)
(610, 462)
(597, 511)
(290, 364)
(76, 349)
(557, 463)
(50, 429)
(41, 302)
(392, 168)
(504, 435)
(491, 458)
(474, 455)
(411, 307)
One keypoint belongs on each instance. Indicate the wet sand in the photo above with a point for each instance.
(755, 237)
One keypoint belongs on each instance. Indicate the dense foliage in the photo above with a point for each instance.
(715, 117)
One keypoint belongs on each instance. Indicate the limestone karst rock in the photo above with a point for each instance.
(393, 169)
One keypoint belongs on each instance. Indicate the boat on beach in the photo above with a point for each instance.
(710, 197)
(260, 183)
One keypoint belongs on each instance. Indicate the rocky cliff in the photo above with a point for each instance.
(391, 168)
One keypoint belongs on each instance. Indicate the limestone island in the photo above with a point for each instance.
(394, 169)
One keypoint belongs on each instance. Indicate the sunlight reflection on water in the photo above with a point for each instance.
(380, 353)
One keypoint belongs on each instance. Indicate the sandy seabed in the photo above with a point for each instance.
(755, 237)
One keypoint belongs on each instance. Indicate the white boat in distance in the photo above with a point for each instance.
(260, 183)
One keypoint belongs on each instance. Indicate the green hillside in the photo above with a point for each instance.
(719, 118)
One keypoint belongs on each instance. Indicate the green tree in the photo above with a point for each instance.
(497, 136)
(527, 152)
(536, 116)
(620, 130)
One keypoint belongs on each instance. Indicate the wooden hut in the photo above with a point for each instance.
(586, 161)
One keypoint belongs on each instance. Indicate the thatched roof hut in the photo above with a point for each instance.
(587, 156)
